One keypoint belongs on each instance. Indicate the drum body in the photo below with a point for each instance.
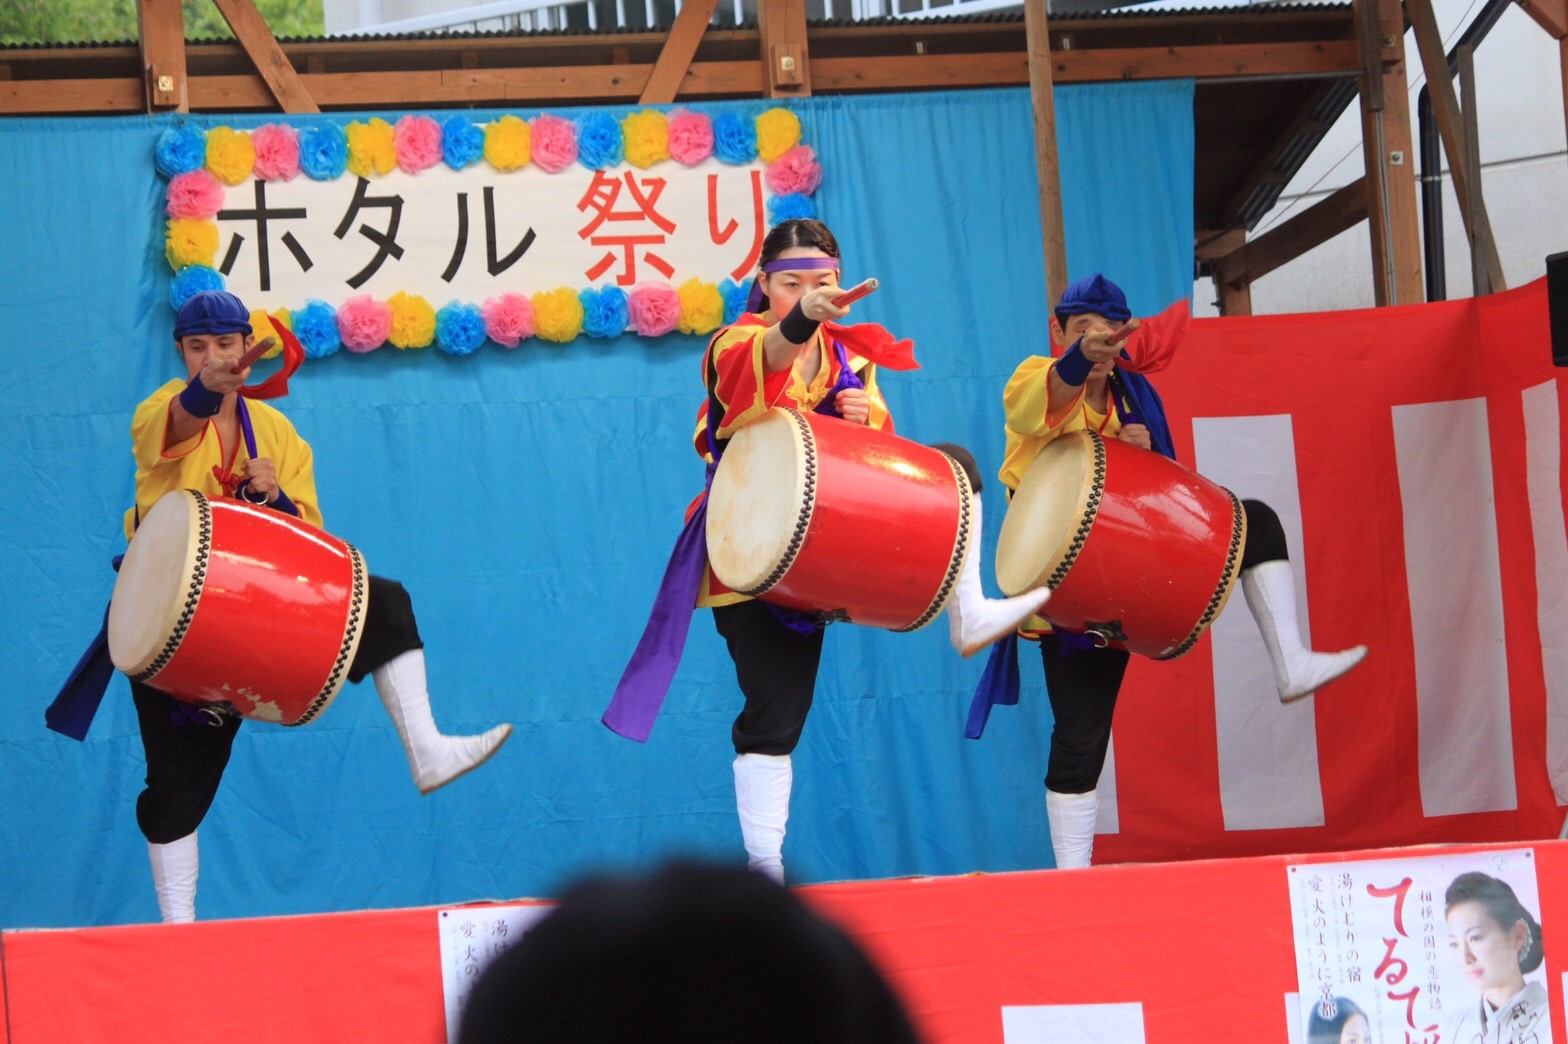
(223, 602)
(1137, 549)
(822, 515)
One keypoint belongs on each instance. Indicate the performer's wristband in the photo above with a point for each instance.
(1074, 366)
(200, 401)
(284, 504)
(796, 328)
(243, 492)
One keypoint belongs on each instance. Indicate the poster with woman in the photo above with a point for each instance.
(1425, 949)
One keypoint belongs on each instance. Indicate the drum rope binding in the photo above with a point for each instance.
(192, 594)
(807, 504)
(1237, 528)
(356, 607)
(960, 547)
(1090, 512)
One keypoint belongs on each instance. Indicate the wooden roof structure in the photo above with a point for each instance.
(1271, 79)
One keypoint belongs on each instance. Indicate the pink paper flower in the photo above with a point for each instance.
(418, 143)
(363, 323)
(277, 151)
(795, 171)
(508, 318)
(195, 195)
(655, 308)
(554, 143)
(691, 137)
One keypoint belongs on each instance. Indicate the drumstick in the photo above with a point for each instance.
(1121, 333)
(855, 292)
(251, 356)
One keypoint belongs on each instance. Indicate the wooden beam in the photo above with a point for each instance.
(119, 95)
(160, 26)
(1335, 213)
(1388, 156)
(680, 47)
(1450, 126)
(250, 29)
(1551, 15)
(1480, 273)
(1211, 62)
(1047, 164)
(786, 61)
(1562, 61)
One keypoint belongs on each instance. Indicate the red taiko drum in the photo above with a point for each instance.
(223, 602)
(1137, 550)
(819, 514)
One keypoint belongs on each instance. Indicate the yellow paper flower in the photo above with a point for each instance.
(413, 321)
(558, 315)
(191, 242)
(702, 307)
(647, 137)
(371, 147)
(778, 131)
(508, 143)
(230, 155)
(262, 326)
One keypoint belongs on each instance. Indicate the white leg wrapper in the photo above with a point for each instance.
(762, 786)
(434, 759)
(1072, 817)
(975, 621)
(174, 868)
(1271, 595)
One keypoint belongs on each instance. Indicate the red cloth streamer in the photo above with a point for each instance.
(1152, 346)
(277, 386)
(872, 342)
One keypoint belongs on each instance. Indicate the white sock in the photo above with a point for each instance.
(174, 869)
(762, 787)
(434, 759)
(1072, 818)
(975, 621)
(1270, 589)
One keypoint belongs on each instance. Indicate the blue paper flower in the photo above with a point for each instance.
(734, 137)
(323, 151)
(790, 206)
(181, 149)
(316, 326)
(604, 311)
(600, 143)
(460, 329)
(462, 142)
(734, 295)
(192, 280)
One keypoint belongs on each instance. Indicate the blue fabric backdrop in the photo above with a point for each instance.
(528, 500)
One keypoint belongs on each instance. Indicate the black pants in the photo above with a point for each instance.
(185, 760)
(777, 671)
(1083, 685)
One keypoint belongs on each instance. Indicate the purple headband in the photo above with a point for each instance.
(788, 264)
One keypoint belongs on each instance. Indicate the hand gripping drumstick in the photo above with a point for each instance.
(261, 348)
(1121, 333)
(855, 293)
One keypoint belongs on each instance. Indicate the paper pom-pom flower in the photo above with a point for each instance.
(277, 151)
(647, 135)
(363, 323)
(795, 171)
(413, 321)
(191, 242)
(372, 147)
(316, 326)
(558, 315)
(508, 319)
(702, 307)
(778, 131)
(462, 142)
(604, 311)
(230, 155)
(323, 152)
(181, 150)
(194, 194)
(655, 309)
(691, 137)
(789, 207)
(734, 138)
(460, 329)
(188, 282)
(417, 142)
(735, 295)
(508, 143)
(263, 325)
(599, 141)
(555, 143)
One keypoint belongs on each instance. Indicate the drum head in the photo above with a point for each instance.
(1044, 514)
(153, 582)
(759, 501)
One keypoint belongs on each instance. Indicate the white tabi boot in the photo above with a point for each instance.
(1271, 595)
(1072, 817)
(975, 621)
(435, 760)
(762, 785)
(174, 867)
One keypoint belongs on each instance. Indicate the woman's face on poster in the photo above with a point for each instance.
(1487, 953)
(1356, 1031)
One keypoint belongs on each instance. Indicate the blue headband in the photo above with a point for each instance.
(1095, 294)
(212, 312)
(787, 264)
